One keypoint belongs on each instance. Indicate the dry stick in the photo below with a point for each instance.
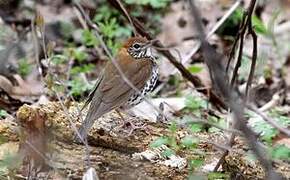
(222, 158)
(128, 16)
(246, 24)
(254, 54)
(232, 53)
(212, 59)
(241, 47)
(213, 30)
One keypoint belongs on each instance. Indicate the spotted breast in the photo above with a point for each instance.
(138, 97)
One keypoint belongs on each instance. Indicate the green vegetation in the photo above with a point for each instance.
(3, 113)
(24, 68)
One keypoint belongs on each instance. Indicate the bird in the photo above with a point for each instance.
(112, 92)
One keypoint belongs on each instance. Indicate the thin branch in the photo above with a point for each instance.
(240, 55)
(128, 16)
(246, 25)
(213, 30)
(255, 49)
(222, 158)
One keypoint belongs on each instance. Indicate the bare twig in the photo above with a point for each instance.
(240, 37)
(128, 16)
(246, 25)
(254, 54)
(218, 76)
(222, 158)
(213, 30)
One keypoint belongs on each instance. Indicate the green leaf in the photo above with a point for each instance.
(82, 69)
(3, 113)
(78, 86)
(195, 103)
(109, 27)
(267, 131)
(219, 121)
(195, 69)
(159, 142)
(196, 127)
(189, 141)
(24, 68)
(259, 26)
(196, 163)
(153, 3)
(79, 55)
(58, 59)
(217, 175)
(281, 152)
(104, 13)
(168, 153)
(123, 32)
(88, 38)
(10, 161)
(173, 127)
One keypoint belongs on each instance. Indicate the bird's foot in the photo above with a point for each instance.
(132, 127)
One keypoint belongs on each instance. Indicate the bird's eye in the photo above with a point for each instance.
(136, 46)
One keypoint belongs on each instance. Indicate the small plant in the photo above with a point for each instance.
(3, 113)
(194, 103)
(175, 144)
(195, 69)
(264, 129)
(8, 164)
(89, 39)
(281, 152)
(232, 23)
(24, 68)
(153, 3)
(78, 86)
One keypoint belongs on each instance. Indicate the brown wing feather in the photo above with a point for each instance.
(115, 89)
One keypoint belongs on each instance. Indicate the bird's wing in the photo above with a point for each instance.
(92, 93)
(115, 90)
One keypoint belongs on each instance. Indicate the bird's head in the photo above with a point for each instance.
(138, 47)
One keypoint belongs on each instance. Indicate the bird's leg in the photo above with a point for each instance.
(125, 122)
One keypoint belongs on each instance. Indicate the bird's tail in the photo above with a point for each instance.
(93, 114)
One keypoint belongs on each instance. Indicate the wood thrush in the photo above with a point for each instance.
(111, 91)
